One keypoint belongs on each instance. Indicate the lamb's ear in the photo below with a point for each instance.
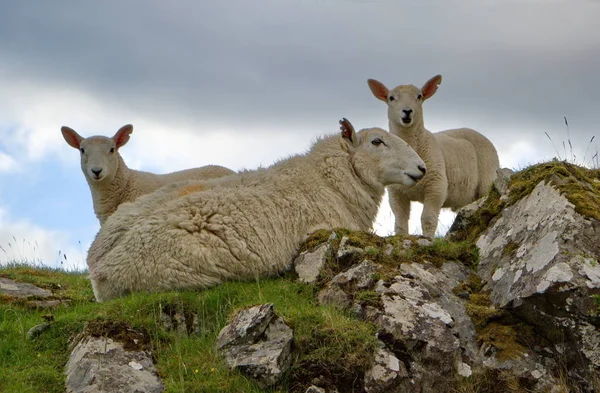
(72, 138)
(431, 86)
(122, 136)
(349, 137)
(378, 89)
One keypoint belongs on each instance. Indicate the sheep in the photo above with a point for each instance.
(204, 236)
(461, 162)
(111, 182)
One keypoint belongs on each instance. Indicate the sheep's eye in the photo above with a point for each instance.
(112, 150)
(377, 142)
(420, 96)
(392, 98)
(82, 150)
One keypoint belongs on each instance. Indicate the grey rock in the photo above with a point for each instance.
(539, 259)
(315, 389)
(422, 314)
(388, 373)
(502, 180)
(99, 364)
(464, 217)
(258, 344)
(358, 277)
(334, 296)
(37, 330)
(21, 290)
(347, 253)
(309, 263)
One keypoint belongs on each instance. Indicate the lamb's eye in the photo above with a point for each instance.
(419, 97)
(392, 98)
(112, 150)
(377, 142)
(82, 150)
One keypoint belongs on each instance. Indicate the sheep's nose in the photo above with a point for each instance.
(96, 171)
(423, 169)
(407, 112)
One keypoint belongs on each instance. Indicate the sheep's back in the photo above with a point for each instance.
(471, 163)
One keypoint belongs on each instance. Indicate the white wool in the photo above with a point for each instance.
(461, 163)
(113, 183)
(248, 225)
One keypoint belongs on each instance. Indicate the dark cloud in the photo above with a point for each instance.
(306, 62)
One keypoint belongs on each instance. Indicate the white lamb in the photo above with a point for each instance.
(461, 163)
(112, 182)
(205, 236)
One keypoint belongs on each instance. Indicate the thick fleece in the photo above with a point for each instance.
(461, 163)
(111, 182)
(200, 235)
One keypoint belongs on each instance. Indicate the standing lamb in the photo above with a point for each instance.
(112, 182)
(205, 236)
(461, 163)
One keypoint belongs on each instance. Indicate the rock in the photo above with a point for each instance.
(37, 330)
(422, 318)
(502, 180)
(334, 296)
(21, 290)
(358, 277)
(539, 259)
(258, 344)
(309, 263)
(388, 373)
(348, 254)
(100, 364)
(315, 389)
(463, 218)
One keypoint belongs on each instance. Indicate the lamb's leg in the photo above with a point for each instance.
(431, 212)
(400, 205)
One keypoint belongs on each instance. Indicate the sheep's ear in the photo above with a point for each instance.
(72, 138)
(378, 89)
(348, 134)
(431, 86)
(122, 136)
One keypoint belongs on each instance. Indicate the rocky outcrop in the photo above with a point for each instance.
(102, 364)
(540, 260)
(257, 343)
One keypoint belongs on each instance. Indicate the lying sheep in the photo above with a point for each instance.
(204, 236)
(461, 162)
(112, 182)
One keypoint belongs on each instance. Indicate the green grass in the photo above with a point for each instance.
(326, 339)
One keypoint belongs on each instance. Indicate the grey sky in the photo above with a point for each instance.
(242, 83)
(306, 62)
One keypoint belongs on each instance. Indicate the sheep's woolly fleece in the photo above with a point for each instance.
(195, 235)
(461, 163)
(112, 183)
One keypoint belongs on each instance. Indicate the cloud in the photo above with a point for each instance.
(7, 163)
(25, 242)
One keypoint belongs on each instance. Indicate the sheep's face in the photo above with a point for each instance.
(383, 159)
(405, 102)
(100, 159)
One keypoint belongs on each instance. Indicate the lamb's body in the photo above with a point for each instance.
(112, 183)
(461, 163)
(130, 184)
(202, 237)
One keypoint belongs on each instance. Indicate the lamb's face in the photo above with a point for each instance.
(405, 105)
(99, 158)
(383, 158)
(405, 102)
